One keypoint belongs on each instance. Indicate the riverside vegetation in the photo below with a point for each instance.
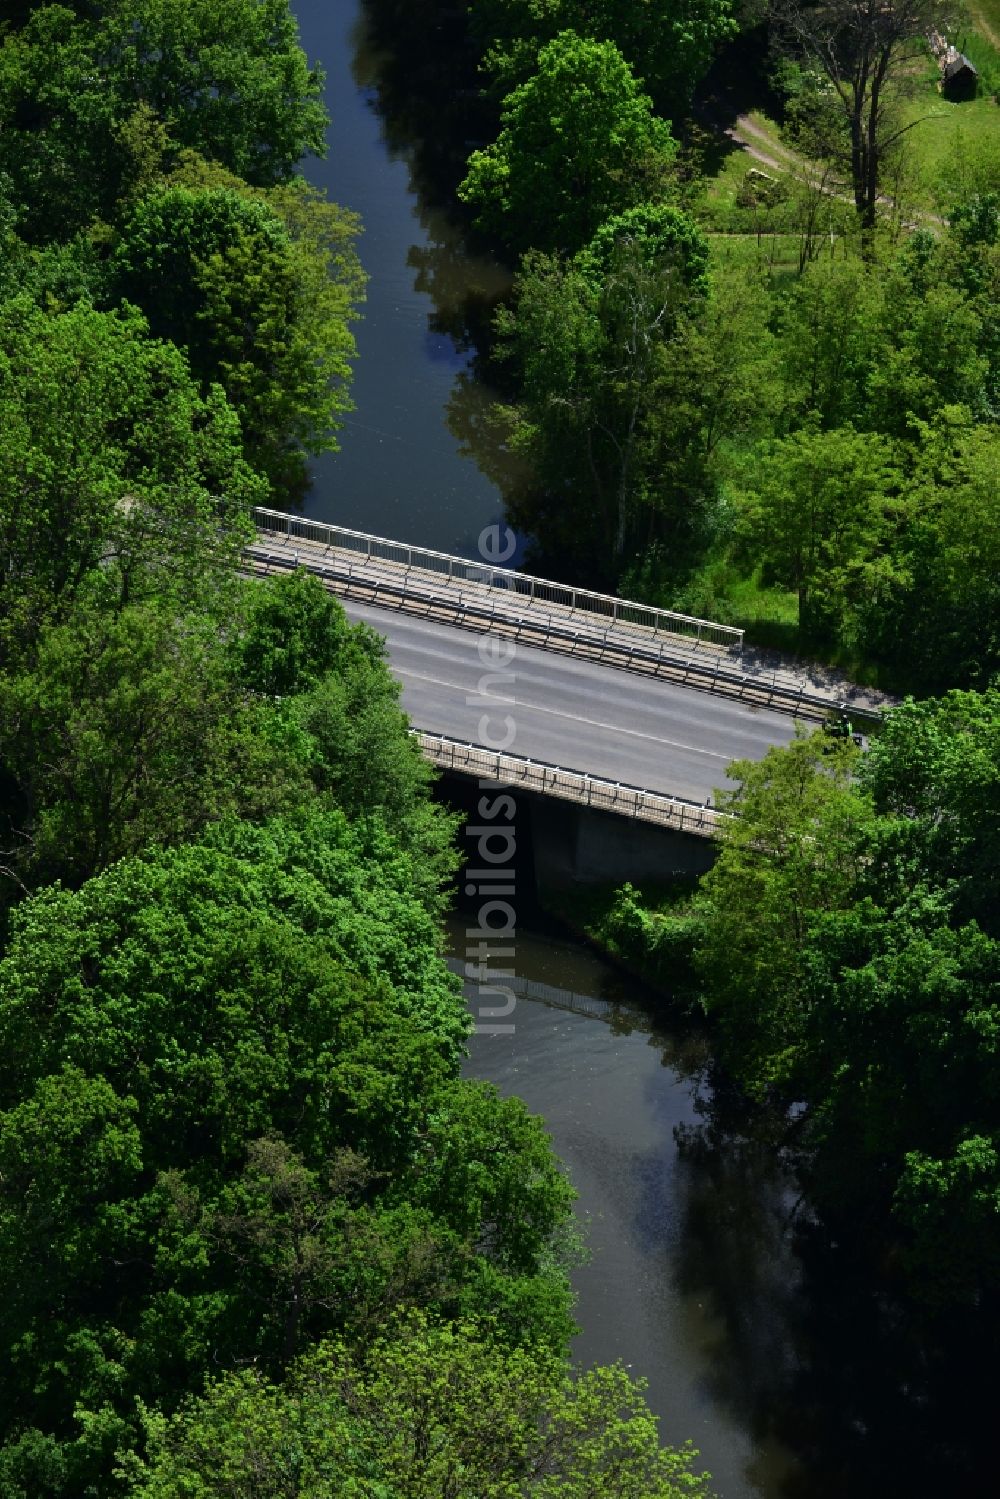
(247, 1206)
(805, 442)
(256, 1234)
(775, 408)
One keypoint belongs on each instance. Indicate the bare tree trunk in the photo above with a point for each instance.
(863, 47)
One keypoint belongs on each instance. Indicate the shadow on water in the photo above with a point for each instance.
(792, 1368)
(816, 1356)
(400, 471)
(417, 59)
(422, 81)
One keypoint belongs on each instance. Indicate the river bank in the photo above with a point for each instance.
(758, 1344)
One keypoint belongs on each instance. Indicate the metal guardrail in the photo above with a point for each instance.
(571, 785)
(604, 606)
(597, 641)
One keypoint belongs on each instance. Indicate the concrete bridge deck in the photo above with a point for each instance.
(574, 721)
(557, 617)
(610, 704)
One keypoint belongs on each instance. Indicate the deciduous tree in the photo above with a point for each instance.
(866, 48)
(815, 514)
(431, 1410)
(668, 46)
(230, 1123)
(116, 472)
(260, 310)
(83, 99)
(579, 141)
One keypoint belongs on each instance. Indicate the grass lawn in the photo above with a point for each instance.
(778, 252)
(953, 148)
(986, 19)
(770, 616)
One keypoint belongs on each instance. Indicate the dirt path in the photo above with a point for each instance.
(753, 141)
(749, 136)
(983, 26)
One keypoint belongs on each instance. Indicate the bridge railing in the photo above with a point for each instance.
(604, 606)
(571, 785)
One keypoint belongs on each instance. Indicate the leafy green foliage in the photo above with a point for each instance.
(579, 142)
(276, 984)
(140, 726)
(125, 731)
(817, 510)
(851, 952)
(431, 1410)
(790, 852)
(260, 305)
(652, 937)
(89, 103)
(293, 636)
(668, 46)
(116, 471)
(344, 714)
(939, 616)
(627, 376)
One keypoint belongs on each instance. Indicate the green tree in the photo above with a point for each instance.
(850, 947)
(971, 257)
(936, 616)
(789, 853)
(868, 53)
(669, 47)
(135, 727)
(596, 345)
(817, 510)
(930, 357)
(116, 473)
(124, 732)
(244, 1055)
(86, 100)
(578, 142)
(344, 715)
(830, 333)
(259, 310)
(293, 635)
(431, 1410)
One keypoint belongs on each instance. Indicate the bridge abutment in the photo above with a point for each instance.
(560, 844)
(576, 845)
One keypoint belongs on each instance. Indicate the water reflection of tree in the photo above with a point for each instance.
(412, 56)
(415, 55)
(476, 421)
(814, 1353)
(464, 288)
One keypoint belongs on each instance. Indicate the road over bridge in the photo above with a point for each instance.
(570, 693)
(578, 714)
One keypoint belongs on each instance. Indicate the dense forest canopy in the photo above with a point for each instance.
(811, 440)
(768, 392)
(248, 1206)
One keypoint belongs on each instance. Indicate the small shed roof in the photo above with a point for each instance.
(959, 66)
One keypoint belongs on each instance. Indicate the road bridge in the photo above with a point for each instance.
(608, 703)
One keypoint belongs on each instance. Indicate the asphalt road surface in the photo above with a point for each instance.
(570, 712)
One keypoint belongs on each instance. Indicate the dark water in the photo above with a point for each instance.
(611, 1093)
(401, 471)
(789, 1368)
(691, 1281)
(793, 1383)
